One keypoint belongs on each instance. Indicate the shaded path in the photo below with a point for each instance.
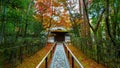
(59, 59)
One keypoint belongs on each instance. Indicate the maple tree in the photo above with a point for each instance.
(51, 16)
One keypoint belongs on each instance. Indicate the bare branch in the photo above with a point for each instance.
(99, 19)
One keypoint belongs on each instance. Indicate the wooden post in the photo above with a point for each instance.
(72, 62)
(46, 63)
(54, 49)
(21, 54)
(68, 55)
(65, 49)
(51, 54)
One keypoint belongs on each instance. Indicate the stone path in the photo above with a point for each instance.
(59, 59)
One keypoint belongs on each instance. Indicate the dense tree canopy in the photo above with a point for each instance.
(92, 24)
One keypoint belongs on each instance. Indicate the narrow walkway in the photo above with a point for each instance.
(59, 59)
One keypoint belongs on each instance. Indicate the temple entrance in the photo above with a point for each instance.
(59, 36)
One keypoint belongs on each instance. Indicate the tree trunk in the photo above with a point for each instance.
(80, 7)
(108, 23)
(3, 22)
(27, 15)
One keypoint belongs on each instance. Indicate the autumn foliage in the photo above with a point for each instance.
(52, 14)
(34, 60)
(87, 63)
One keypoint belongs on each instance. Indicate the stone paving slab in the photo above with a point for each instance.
(59, 59)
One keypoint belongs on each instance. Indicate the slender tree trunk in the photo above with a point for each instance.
(18, 32)
(80, 7)
(97, 45)
(115, 22)
(3, 21)
(86, 14)
(27, 15)
(108, 23)
(86, 21)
